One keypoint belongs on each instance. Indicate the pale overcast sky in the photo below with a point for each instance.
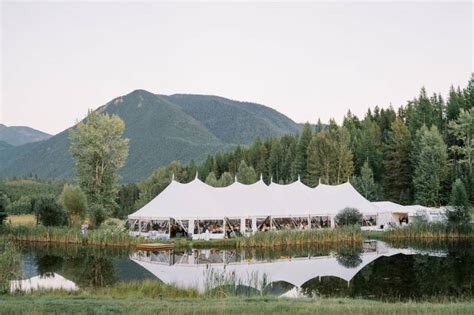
(306, 60)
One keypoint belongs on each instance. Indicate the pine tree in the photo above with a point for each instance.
(320, 154)
(342, 154)
(463, 130)
(211, 180)
(365, 184)
(300, 167)
(430, 167)
(226, 179)
(459, 215)
(397, 176)
(246, 174)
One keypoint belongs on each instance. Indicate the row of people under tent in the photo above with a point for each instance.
(212, 228)
(369, 222)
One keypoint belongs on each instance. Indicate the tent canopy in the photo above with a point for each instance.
(197, 200)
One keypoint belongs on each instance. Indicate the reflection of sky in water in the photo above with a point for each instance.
(349, 271)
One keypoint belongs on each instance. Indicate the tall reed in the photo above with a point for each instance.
(69, 235)
(9, 265)
(347, 234)
(428, 231)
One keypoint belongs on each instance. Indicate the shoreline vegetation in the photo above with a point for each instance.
(111, 237)
(153, 296)
(105, 237)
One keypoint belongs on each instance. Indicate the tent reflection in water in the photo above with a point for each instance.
(201, 211)
(49, 281)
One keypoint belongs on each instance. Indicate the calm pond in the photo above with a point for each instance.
(372, 270)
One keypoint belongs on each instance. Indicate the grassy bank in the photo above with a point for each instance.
(107, 237)
(428, 231)
(68, 235)
(84, 304)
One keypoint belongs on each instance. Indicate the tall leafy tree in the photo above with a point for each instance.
(99, 149)
(398, 171)
(430, 167)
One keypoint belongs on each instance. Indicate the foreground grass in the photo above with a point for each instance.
(83, 304)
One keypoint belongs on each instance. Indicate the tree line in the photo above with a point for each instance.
(412, 155)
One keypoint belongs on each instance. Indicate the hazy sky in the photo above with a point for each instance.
(307, 60)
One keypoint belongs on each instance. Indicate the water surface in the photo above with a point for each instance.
(373, 269)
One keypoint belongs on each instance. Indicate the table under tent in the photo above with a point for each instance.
(201, 211)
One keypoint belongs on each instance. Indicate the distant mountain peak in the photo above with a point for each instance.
(161, 129)
(19, 135)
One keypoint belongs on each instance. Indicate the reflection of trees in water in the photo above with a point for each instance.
(349, 257)
(406, 277)
(48, 264)
(417, 276)
(92, 270)
(326, 286)
(84, 266)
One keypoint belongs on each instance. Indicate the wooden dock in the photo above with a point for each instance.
(154, 246)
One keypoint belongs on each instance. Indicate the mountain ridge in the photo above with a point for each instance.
(19, 135)
(161, 129)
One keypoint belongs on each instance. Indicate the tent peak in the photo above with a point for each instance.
(197, 174)
(172, 177)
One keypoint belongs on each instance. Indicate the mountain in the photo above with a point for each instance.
(18, 135)
(161, 129)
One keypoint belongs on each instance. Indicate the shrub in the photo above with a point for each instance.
(74, 200)
(3, 208)
(50, 212)
(21, 206)
(97, 215)
(348, 216)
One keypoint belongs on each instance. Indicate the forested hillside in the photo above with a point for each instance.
(412, 155)
(161, 129)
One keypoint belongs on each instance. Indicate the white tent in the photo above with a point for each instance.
(198, 201)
